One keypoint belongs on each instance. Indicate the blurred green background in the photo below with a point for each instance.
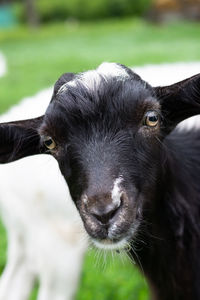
(42, 39)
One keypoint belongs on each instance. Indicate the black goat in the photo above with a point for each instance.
(133, 176)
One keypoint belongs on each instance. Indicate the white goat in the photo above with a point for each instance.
(45, 238)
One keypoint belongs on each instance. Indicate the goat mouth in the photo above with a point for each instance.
(108, 244)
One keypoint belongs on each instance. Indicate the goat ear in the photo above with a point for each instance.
(66, 77)
(179, 101)
(19, 139)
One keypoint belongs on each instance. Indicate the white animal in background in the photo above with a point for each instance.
(45, 235)
(167, 73)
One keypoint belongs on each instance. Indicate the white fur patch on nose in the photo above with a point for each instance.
(84, 198)
(117, 191)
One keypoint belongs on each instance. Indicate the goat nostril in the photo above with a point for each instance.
(104, 218)
(122, 198)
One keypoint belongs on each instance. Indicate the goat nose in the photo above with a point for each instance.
(104, 215)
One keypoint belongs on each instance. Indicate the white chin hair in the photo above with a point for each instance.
(109, 245)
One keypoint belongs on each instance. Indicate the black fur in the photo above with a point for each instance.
(101, 135)
(19, 139)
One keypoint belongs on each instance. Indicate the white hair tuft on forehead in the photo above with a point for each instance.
(112, 70)
(92, 78)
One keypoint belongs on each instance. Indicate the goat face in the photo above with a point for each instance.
(107, 146)
(104, 127)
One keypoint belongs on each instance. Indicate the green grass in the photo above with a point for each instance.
(36, 58)
(111, 279)
(3, 246)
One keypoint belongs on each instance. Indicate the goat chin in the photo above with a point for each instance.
(109, 245)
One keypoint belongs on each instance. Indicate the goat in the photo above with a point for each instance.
(133, 176)
(45, 238)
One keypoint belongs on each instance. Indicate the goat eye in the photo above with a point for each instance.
(49, 143)
(151, 119)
